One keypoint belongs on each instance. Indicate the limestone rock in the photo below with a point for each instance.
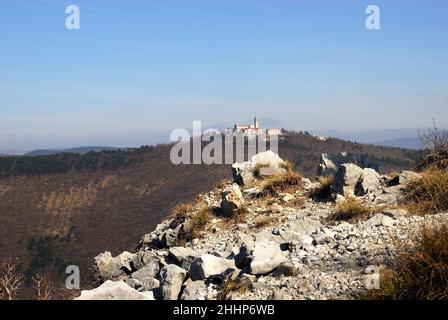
(245, 173)
(231, 200)
(369, 181)
(208, 266)
(111, 290)
(146, 276)
(171, 279)
(262, 257)
(194, 290)
(346, 179)
(110, 267)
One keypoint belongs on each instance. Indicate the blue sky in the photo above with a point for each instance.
(138, 69)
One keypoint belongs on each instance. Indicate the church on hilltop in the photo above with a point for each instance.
(254, 129)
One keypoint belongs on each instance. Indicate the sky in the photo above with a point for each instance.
(136, 70)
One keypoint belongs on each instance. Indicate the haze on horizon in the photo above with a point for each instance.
(134, 72)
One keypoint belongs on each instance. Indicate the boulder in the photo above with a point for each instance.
(231, 200)
(111, 267)
(194, 290)
(111, 290)
(171, 279)
(208, 266)
(261, 258)
(146, 276)
(330, 163)
(265, 164)
(407, 176)
(369, 181)
(183, 256)
(347, 178)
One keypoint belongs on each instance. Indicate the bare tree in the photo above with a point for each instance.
(43, 287)
(436, 143)
(434, 138)
(11, 279)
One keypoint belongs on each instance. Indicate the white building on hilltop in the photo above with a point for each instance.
(254, 129)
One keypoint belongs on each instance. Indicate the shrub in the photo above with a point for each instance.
(419, 270)
(11, 279)
(352, 210)
(429, 194)
(436, 143)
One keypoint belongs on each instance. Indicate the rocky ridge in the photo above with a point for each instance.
(281, 246)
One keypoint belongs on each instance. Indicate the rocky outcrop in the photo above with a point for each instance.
(111, 267)
(329, 164)
(282, 248)
(262, 164)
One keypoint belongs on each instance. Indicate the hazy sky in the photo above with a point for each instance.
(138, 69)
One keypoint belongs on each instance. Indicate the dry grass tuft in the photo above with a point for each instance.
(199, 221)
(262, 221)
(429, 194)
(229, 286)
(257, 170)
(286, 182)
(352, 210)
(180, 212)
(419, 270)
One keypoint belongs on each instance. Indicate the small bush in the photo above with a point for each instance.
(436, 143)
(230, 286)
(419, 270)
(429, 194)
(289, 181)
(352, 210)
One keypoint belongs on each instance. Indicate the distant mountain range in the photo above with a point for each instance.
(407, 143)
(398, 138)
(44, 152)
